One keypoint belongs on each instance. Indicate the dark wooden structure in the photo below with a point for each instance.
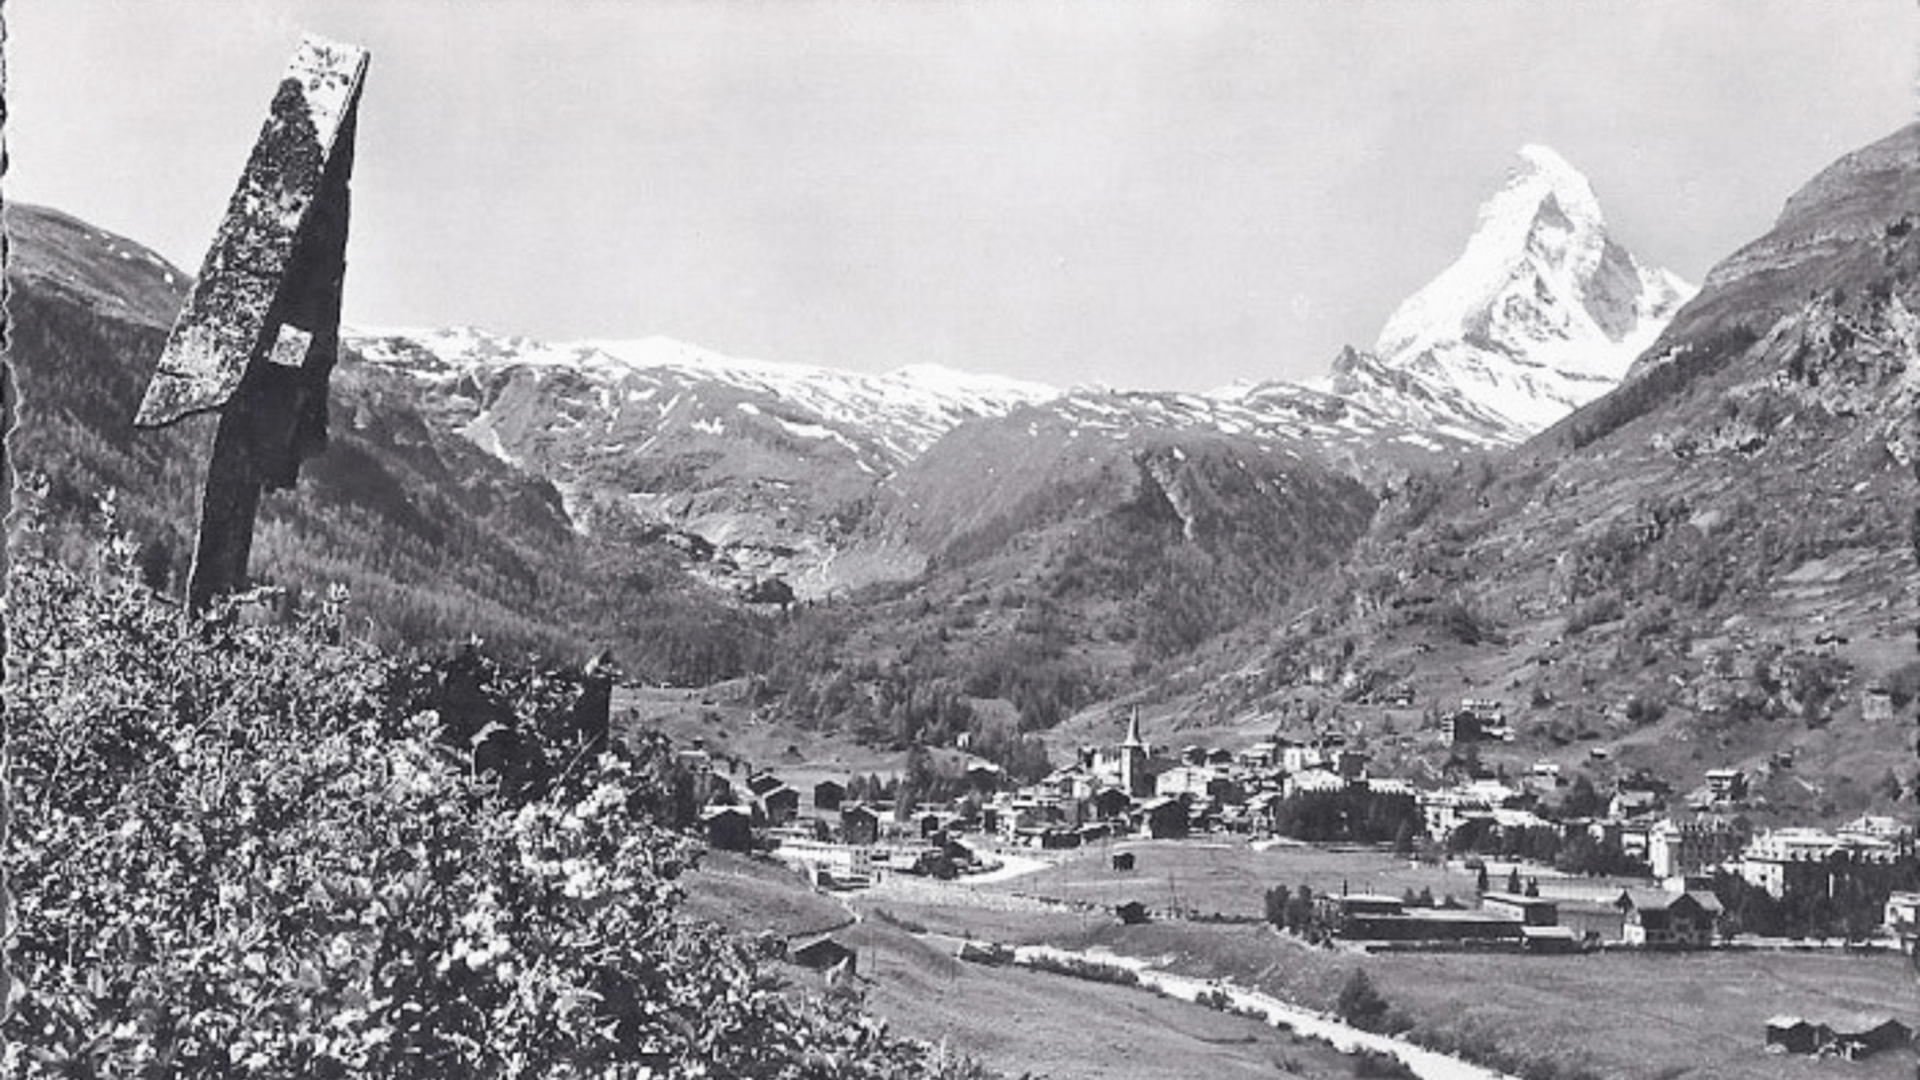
(824, 954)
(728, 828)
(859, 825)
(260, 332)
(828, 795)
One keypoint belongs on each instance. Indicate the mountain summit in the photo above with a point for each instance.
(1542, 312)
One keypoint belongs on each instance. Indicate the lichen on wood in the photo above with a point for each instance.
(225, 322)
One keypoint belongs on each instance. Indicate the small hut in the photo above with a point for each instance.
(823, 953)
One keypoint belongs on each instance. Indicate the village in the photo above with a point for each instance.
(1555, 870)
(1323, 790)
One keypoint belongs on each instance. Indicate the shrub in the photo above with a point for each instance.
(247, 858)
(1359, 1003)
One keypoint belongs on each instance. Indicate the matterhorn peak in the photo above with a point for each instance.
(1543, 310)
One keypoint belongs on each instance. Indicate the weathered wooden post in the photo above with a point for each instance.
(259, 334)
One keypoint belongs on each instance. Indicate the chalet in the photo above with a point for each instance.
(1855, 1037)
(828, 795)
(782, 804)
(1726, 785)
(1634, 802)
(1163, 819)
(718, 788)
(1123, 861)
(1110, 803)
(1132, 913)
(824, 953)
(1658, 919)
(727, 828)
(1057, 839)
(1851, 1037)
(859, 824)
(985, 776)
(1792, 1035)
(761, 783)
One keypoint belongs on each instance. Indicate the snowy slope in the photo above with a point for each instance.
(903, 410)
(1541, 313)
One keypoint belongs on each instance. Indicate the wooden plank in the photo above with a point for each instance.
(228, 317)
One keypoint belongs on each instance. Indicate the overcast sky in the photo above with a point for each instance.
(1152, 195)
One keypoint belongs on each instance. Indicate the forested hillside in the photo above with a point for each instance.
(433, 538)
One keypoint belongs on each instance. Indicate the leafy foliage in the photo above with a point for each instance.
(249, 856)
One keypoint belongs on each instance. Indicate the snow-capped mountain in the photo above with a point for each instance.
(1541, 313)
(900, 412)
(772, 465)
(779, 467)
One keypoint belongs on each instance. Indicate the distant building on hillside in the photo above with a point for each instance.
(1678, 848)
(1726, 785)
(828, 795)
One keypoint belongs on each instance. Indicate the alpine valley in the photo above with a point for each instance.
(1557, 476)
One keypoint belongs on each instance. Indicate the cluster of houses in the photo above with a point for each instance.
(1125, 790)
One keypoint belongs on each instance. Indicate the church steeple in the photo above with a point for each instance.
(1133, 758)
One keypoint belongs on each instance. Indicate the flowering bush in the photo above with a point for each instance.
(236, 852)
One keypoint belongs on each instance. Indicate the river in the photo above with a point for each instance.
(1428, 1064)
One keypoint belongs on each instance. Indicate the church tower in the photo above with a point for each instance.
(1133, 758)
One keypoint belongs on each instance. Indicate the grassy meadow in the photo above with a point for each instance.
(1230, 877)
